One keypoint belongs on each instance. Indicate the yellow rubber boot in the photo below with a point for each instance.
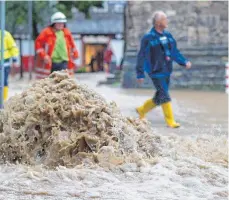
(5, 93)
(146, 107)
(168, 113)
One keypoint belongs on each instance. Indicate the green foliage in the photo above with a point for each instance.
(82, 6)
(17, 14)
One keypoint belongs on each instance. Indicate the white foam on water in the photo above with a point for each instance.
(174, 176)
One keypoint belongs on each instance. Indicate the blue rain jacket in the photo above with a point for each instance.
(156, 55)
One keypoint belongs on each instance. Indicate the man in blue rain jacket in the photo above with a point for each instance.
(157, 52)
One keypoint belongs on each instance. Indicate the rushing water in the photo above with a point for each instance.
(192, 164)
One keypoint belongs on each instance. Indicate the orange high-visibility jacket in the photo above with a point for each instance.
(45, 44)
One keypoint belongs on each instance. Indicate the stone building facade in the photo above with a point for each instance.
(201, 31)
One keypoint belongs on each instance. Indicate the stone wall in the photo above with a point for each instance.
(191, 23)
(201, 31)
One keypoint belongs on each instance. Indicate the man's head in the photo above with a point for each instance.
(58, 20)
(160, 20)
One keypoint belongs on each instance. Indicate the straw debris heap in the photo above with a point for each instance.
(60, 122)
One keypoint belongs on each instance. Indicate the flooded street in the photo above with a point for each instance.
(192, 164)
(199, 112)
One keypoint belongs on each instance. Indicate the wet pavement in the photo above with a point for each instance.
(198, 112)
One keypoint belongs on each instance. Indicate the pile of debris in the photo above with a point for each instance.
(60, 122)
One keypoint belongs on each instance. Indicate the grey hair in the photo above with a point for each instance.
(157, 16)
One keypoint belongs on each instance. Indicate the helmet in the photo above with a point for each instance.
(58, 17)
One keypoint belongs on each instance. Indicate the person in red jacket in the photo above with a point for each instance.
(55, 48)
(107, 57)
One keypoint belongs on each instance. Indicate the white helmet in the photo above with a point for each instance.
(58, 17)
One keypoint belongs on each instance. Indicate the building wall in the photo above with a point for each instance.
(79, 46)
(191, 22)
(117, 47)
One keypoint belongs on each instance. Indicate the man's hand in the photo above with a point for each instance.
(15, 65)
(140, 80)
(47, 59)
(188, 65)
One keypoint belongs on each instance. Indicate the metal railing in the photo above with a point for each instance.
(2, 52)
